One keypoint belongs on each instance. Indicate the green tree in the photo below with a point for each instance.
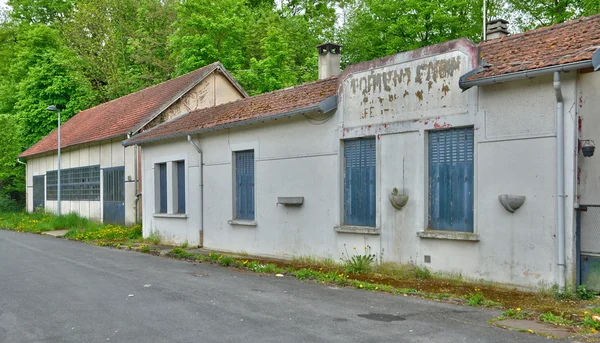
(209, 31)
(45, 72)
(12, 174)
(376, 28)
(531, 14)
(41, 11)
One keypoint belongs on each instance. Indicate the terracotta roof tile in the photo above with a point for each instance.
(259, 106)
(569, 42)
(118, 117)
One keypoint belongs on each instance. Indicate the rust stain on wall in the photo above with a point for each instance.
(419, 95)
(445, 89)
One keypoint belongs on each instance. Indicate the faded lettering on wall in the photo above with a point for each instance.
(416, 89)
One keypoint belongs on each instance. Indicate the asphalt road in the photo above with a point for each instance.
(54, 290)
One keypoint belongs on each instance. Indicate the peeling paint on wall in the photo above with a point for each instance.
(404, 91)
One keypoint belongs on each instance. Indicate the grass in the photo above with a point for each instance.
(551, 318)
(80, 229)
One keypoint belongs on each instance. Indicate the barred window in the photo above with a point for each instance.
(82, 183)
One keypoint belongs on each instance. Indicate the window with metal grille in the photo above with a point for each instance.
(81, 183)
(244, 184)
(451, 180)
(162, 187)
(360, 182)
(180, 187)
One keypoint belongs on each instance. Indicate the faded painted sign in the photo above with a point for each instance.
(423, 88)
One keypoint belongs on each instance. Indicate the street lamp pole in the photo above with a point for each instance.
(54, 109)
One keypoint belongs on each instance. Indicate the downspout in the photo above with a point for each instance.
(560, 196)
(23, 163)
(189, 138)
(135, 183)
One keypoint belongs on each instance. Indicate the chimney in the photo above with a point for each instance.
(496, 29)
(329, 60)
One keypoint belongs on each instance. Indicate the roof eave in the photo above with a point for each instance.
(324, 106)
(70, 146)
(465, 84)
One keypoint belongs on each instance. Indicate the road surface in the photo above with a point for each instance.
(55, 290)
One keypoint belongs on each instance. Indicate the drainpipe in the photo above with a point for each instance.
(560, 198)
(189, 138)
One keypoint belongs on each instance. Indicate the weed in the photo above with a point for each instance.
(515, 313)
(326, 262)
(358, 263)
(180, 253)
(226, 260)
(549, 317)
(153, 238)
(584, 294)
(394, 269)
(589, 322)
(422, 273)
(566, 294)
(145, 248)
(305, 273)
(476, 299)
(184, 245)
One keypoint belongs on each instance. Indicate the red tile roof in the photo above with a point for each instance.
(569, 42)
(260, 106)
(118, 117)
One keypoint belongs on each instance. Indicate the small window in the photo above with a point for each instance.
(162, 187)
(180, 187)
(451, 180)
(244, 185)
(360, 182)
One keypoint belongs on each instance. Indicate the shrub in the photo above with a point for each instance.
(584, 294)
(422, 273)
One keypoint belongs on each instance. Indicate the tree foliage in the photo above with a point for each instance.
(531, 14)
(78, 53)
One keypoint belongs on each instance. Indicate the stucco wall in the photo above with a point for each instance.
(107, 154)
(515, 153)
(292, 158)
(589, 103)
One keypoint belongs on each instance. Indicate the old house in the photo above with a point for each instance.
(100, 179)
(467, 159)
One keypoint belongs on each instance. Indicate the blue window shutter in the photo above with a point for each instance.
(244, 179)
(360, 182)
(163, 187)
(180, 187)
(451, 180)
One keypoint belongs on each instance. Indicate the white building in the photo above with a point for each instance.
(494, 174)
(99, 177)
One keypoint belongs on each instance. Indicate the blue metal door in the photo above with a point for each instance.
(588, 239)
(360, 182)
(38, 192)
(451, 180)
(114, 195)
